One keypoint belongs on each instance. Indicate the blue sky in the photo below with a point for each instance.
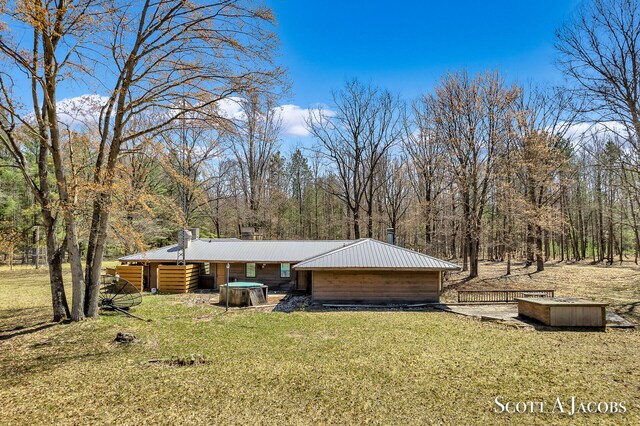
(405, 46)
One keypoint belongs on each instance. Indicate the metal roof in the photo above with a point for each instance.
(373, 254)
(240, 251)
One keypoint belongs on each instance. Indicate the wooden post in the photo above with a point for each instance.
(226, 288)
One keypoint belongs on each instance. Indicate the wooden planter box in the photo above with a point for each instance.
(564, 312)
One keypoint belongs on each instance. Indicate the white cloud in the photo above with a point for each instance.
(81, 110)
(609, 129)
(85, 110)
(230, 108)
(294, 118)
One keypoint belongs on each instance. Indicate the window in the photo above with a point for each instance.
(285, 270)
(250, 270)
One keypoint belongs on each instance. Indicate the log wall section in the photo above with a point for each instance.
(381, 287)
(132, 273)
(178, 278)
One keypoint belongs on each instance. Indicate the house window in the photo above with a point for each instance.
(285, 270)
(250, 270)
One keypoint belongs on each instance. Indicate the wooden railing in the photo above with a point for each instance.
(490, 296)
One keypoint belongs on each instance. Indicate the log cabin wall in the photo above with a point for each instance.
(375, 286)
(178, 278)
(132, 273)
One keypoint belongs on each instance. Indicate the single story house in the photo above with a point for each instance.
(344, 271)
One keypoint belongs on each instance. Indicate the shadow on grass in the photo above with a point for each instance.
(39, 345)
(17, 322)
(630, 311)
(21, 330)
(54, 358)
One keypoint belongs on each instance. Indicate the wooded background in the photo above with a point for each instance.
(478, 167)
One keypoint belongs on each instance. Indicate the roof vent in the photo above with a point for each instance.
(391, 235)
(195, 233)
(184, 238)
(249, 233)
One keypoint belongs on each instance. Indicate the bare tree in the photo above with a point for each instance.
(253, 142)
(190, 149)
(42, 64)
(397, 190)
(425, 152)
(599, 49)
(472, 117)
(150, 59)
(543, 118)
(354, 141)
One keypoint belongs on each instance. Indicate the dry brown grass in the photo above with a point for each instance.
(619, 286)
(300, 368)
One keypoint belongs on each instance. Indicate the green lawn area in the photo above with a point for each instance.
(300, 368)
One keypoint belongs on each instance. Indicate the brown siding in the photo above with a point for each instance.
(178, 279)
(269, 275)
(558, 315)
(220, 273)
(375, 286)
(153, 275)
(132, 273)
(578, 316)
(535, 311)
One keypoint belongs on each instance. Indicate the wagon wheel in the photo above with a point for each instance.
(118, 293)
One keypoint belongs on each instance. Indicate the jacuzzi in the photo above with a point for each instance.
(244, 294)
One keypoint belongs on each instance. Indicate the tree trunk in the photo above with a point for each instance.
(635, 230)
(539, 254)
(356, 223)
(531, 241)
(474, 247)
(36, 247)
(54, 259)
(562, 231)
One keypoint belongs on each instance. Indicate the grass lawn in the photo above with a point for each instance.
(307, 367)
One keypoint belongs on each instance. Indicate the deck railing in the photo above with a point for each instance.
(490, 296)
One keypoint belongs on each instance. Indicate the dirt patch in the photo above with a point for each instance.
(124, 337)
(203, 318)
(200, 299)
(179, 361)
